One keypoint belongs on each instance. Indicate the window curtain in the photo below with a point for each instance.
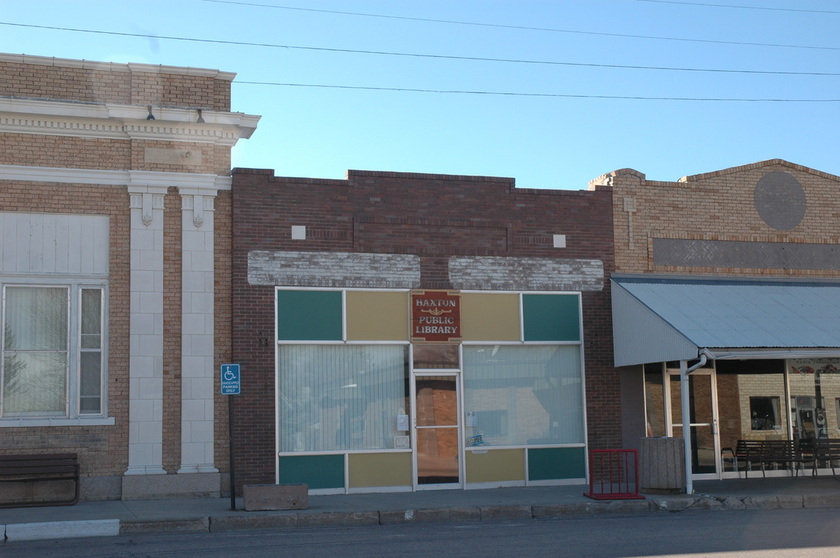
(341, 397)
(524, 394)
(35, 351)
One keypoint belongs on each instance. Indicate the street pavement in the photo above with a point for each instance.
(112, 518)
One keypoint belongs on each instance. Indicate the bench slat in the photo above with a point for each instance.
(40, 467)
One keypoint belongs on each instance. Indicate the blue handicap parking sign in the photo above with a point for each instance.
(230, 379)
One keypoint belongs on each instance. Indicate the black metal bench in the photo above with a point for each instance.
(825, 451)
(746, 452)
(780, 453)
(766, 454)
(41, 467)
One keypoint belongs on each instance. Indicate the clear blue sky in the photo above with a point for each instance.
(550, 92)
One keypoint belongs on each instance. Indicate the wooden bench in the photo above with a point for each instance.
(41, 467)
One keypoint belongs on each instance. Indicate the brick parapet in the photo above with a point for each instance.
(719, 206)
(97, 82)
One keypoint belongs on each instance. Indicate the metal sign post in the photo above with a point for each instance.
(230, 385)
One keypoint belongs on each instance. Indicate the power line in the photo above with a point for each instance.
(429, 56)
(522, 27)
(549, 95)
(762, 8)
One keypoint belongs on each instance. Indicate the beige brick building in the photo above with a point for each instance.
(736, 271)
(114, 269)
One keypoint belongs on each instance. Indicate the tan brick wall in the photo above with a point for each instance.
(45, 78)
(102, 449)
(172, 273)
(62, 151)
(717, 206)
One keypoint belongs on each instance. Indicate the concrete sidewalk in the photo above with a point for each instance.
(113, 518)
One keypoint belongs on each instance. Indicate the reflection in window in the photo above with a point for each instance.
(52, 351)
(341, 397)
(35, 356)
(434, 356)
(654, 401)
(523, 395)
(764, 413)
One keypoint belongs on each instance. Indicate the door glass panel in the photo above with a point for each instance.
(437, 402)
(437, 455)
(703, 455)
(702, 448)
(437, 429)
(701, 399)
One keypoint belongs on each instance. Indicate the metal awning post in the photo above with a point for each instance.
(685, 404)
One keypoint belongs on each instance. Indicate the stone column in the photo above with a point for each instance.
(197, 334)
(145, 429)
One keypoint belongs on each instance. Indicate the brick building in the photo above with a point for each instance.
(735, 272)
(114, 269)
(411, 331)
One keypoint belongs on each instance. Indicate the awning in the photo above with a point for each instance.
(658, 319)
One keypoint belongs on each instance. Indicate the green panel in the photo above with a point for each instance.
(550, 317)
(318, 471)
(309, 316)
(556, 463)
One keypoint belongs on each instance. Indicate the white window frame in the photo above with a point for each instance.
(73, 415)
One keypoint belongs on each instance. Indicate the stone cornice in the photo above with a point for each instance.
(195, 182)
(126, 122)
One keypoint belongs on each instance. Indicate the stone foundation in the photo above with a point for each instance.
(263, 497)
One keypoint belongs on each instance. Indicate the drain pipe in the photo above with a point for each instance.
(685, 402)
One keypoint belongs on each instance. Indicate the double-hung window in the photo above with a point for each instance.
(52, 340)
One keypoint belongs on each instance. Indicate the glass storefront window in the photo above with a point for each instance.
(342, 397)
(523, 394)
(813, 384)
(654, 401)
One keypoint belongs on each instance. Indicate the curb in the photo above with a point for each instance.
(62, 530)
(308, 518)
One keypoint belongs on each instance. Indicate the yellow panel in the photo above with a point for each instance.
(380, 469)
(377, 316)
(495, 465)
(490, 317)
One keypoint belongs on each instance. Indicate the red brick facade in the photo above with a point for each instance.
(430, 216)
